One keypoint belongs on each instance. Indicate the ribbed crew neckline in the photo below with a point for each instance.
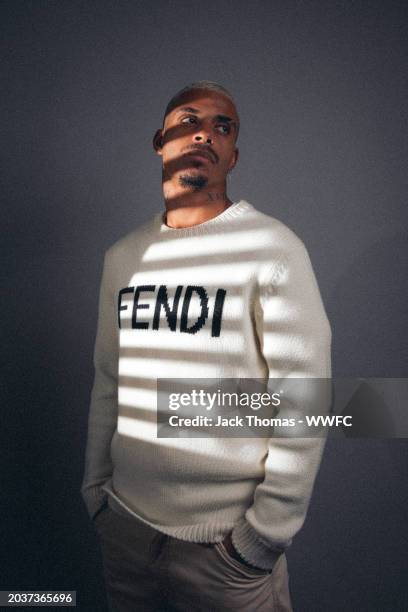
(233, 211)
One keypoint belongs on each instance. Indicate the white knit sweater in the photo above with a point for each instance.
(272, 324)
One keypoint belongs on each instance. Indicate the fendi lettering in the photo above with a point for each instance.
(162, 305)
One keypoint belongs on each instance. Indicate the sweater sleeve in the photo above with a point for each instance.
(103, 410)
(295, 339)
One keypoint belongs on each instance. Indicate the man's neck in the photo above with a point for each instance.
(195, 208)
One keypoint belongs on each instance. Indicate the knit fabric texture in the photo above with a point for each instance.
(233, 297)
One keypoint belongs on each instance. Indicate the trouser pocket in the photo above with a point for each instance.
(237, 566)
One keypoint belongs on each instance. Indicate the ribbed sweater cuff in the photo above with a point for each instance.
(249, 545)
(94, 498)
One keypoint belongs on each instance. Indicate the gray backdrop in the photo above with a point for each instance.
(321, 90)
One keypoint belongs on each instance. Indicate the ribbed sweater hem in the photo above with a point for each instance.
(200, 532)
(244, 537)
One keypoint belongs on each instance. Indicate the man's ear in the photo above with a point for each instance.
(234, 159)
(158, 142)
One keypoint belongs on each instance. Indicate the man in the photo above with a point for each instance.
(210, 289)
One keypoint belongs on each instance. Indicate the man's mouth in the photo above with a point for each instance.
(201, 155)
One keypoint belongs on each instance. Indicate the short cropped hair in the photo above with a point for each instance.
(207, 85)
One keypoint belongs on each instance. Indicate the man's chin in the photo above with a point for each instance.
(193, 181)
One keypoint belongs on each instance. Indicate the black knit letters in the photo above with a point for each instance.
(189, 324)
(163, 300)
(204, 309)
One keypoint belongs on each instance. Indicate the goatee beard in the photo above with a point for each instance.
(197, 182)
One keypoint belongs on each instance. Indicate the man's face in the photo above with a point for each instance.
(204, 121)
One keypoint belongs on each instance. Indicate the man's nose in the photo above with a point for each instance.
(202, 136)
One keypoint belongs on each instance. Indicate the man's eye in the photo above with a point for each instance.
(186, 119)
(226, 128)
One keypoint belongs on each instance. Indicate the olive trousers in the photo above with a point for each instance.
(146, 570)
